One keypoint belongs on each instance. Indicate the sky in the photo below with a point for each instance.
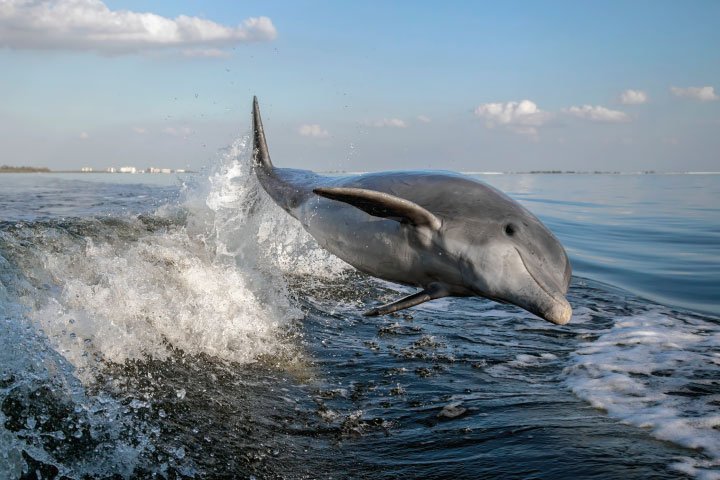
(363, 86)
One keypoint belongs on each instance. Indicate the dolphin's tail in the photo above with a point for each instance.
(260, 150)
(285, 194)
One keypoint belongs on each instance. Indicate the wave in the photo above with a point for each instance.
(79, 297)
(656, 368)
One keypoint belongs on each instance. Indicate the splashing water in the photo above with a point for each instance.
(203, 277)
(130, 288)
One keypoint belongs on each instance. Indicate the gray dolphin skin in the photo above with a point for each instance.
(446, 233)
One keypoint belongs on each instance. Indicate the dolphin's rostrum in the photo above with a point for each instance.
(447, 233)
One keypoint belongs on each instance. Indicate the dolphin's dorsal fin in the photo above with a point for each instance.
(383, 205)
(260, 148)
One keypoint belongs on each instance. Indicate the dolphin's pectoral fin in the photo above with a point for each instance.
(406, 302)
(383, 205)
(433, 291)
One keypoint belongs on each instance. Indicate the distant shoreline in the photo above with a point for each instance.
(45, 170)
(548, 172)
(6, 169)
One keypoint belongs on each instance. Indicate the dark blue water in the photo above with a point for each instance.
(188, 328)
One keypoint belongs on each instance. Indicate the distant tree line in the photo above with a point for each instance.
(9, 169)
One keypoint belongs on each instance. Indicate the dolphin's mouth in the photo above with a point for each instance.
(552, 306)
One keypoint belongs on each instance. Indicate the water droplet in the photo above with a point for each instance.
(162, 413)
(180, 452)
(30, 422)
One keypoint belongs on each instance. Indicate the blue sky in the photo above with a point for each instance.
(474, 86)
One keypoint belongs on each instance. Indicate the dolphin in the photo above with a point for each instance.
(445, 233)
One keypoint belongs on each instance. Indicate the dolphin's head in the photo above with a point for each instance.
(508, 255)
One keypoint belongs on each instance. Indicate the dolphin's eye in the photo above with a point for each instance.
(509, 230)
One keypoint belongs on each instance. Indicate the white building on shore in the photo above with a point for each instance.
(129, 169)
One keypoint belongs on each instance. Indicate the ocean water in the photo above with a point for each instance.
(159, 326)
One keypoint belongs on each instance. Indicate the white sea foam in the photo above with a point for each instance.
(128, 300)
(657, 370)
(211, 282)
(205, 277)
(132, 294)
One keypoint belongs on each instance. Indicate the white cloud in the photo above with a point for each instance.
(83, 135)
(521, 117)
(388, 122)
(597, 114)
(313, 130)
(91, 25)
(140, 130)
(633, 97)
(525, 118)
(699, 93)
(423, 119)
